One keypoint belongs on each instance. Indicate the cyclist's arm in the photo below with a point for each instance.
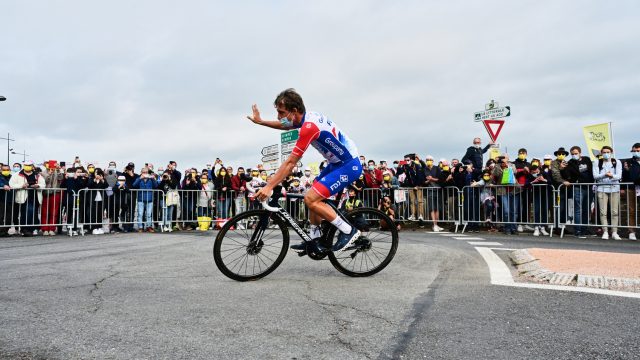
(275, 124)
(285, 169)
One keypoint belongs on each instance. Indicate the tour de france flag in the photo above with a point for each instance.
(597, 136)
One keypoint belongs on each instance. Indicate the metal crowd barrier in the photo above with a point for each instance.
(508, 205)
(105, 210)
(33, 210)
(578, 205)
(435, 205)
(607, 206)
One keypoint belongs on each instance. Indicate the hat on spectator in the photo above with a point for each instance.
(429, 157)
(28, 162)
(131, 164)
(561, 151)
(307, 169)
(547, 157)
(635, 146)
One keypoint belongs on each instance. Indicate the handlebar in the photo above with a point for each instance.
(266, 206)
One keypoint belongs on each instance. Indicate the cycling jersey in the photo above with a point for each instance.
(323, 134)
(342, 156)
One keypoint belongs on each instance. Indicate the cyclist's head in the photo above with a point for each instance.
(289, 101)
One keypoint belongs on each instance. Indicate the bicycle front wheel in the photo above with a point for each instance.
(251, 245)
(373, 250)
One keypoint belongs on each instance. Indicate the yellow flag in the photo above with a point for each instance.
(597, 136)
(315, 168)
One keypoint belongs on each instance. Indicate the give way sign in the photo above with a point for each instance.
(493, 126)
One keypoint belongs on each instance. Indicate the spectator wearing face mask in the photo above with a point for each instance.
(631, 174)
(206, 197)
(372, 181)
(239, 187)
(75, 180)
(110, 177)
(560, 176)
(390, 210)
(414, 179)
(28, 195)
(6, 201)
(51, 199)
(191, 185)
(294, 203)
(487, 197)
(522, 172)
(144, 197)
(307, 179)
(579, 171)
(123, 204)
(433, 191)
(169, 186)
(389, 184)
(224, 195)
(97, 195)
(253, 185)
(537, 180)
(504, 175)
(607, 172)
(474, 153)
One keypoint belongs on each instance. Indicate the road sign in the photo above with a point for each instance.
(270, 150)
(270, 157)
(287, 148)
(271, 165)
(493, 127)
(289, 136)
(495, 113)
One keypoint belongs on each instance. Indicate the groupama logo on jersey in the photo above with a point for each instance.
(333, 145)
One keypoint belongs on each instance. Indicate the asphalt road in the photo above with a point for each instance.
(161, 296)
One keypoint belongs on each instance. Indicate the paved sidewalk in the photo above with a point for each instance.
(604, 270)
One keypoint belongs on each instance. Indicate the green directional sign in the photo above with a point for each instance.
(289, 136)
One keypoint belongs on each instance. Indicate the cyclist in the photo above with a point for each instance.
(340, 152)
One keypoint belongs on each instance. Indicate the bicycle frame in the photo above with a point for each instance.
(282, 213)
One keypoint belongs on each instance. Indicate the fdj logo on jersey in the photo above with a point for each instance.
(336, 185)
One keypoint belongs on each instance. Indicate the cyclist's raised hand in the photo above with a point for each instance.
(256, 114)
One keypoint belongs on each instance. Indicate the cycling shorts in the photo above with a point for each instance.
(335, 177)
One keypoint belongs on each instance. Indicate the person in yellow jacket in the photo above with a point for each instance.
(28, 186)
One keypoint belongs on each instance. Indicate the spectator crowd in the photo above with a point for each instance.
(536, 194)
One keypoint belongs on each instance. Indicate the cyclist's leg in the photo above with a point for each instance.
(334, 181)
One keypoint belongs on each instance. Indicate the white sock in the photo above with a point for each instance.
(341, 225)
(314, 231)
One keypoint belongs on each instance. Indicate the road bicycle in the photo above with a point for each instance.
(253, 244)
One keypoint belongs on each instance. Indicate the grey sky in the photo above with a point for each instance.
(152, 81)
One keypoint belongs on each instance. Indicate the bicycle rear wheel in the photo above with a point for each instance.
(251, 245)
(373, 250)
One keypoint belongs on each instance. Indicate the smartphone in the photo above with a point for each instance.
(63, 164)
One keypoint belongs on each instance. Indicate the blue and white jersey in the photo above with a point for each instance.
(323, 134)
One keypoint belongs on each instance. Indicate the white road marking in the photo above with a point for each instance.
(450, 234)
(488, 243)
(468, 238)
(501, 275)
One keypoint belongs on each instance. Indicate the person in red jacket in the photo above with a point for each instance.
(372, 181)
(239, 186)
